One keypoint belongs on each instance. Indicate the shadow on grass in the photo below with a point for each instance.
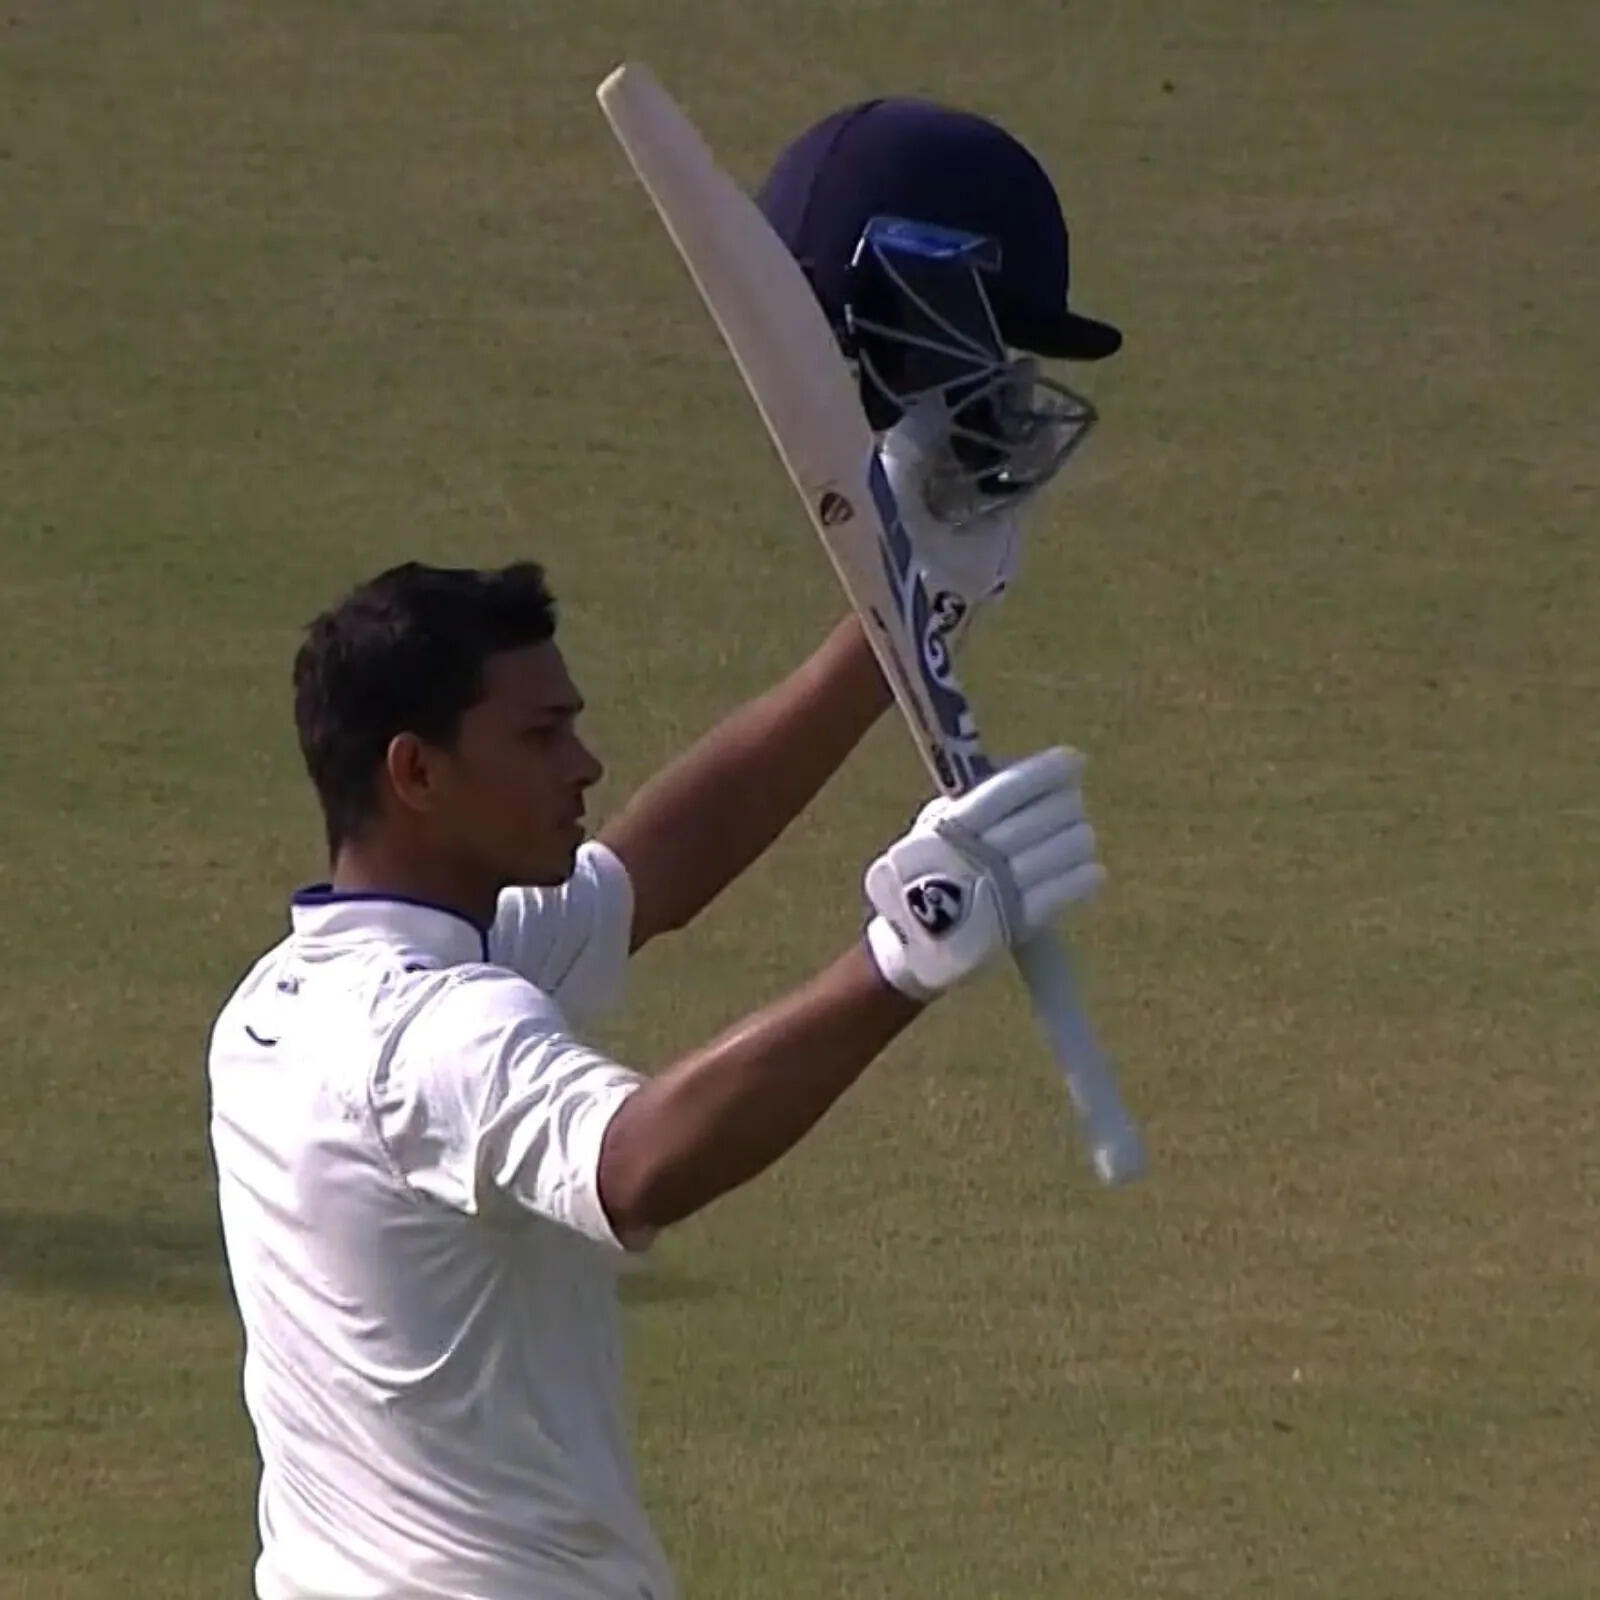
(650, 1285)
(180, 1259)
(155, 1258)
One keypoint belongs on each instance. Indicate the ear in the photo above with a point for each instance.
(414, 772)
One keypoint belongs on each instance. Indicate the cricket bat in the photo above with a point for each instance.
(780, 340)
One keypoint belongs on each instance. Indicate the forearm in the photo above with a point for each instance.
(706, 817)
(721, 1116)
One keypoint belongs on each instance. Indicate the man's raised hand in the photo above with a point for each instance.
(981, 872)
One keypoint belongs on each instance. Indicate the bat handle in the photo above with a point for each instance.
(1116, 1149)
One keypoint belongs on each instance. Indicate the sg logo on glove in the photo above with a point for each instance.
(938, 904)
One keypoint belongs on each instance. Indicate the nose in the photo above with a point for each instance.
(590, 770)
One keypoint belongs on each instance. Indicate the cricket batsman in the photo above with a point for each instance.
(427, 1174)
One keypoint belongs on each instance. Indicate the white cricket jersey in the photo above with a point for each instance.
(407, 1138)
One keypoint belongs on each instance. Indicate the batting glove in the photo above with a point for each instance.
(964, 563)
(982, 872)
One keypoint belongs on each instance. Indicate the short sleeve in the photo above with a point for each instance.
(489, 1104)
(572, 941)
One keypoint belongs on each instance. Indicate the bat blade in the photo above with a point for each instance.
(784, 349)
(781, 342)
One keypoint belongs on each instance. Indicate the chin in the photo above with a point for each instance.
(549, 872)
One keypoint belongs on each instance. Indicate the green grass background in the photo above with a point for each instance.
(290, 291)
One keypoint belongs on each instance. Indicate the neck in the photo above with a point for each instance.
(373, 866)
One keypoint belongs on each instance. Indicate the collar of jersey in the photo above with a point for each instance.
(323, 912)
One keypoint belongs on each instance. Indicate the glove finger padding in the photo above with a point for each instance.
(1053, 857)
(1043, 903)
(1035, 821)
(1054, 771)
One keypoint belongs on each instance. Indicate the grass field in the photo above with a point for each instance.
(289, 291)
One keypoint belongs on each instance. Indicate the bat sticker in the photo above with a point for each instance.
(833, 508)
(927, 622)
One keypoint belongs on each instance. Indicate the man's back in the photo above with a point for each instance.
(402, 1135)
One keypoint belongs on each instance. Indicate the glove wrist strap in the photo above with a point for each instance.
(889, 957)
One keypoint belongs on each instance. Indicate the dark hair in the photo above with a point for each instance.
(403, 653)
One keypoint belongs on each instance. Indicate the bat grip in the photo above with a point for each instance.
(1116, 1150)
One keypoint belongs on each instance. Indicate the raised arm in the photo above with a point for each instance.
(972, 876)
(490, 1100)
(723, 1115)
(694, 827)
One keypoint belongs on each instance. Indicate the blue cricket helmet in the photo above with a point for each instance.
(916, 159)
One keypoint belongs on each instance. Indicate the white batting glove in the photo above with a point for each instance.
(980, 873)
(968, 563)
